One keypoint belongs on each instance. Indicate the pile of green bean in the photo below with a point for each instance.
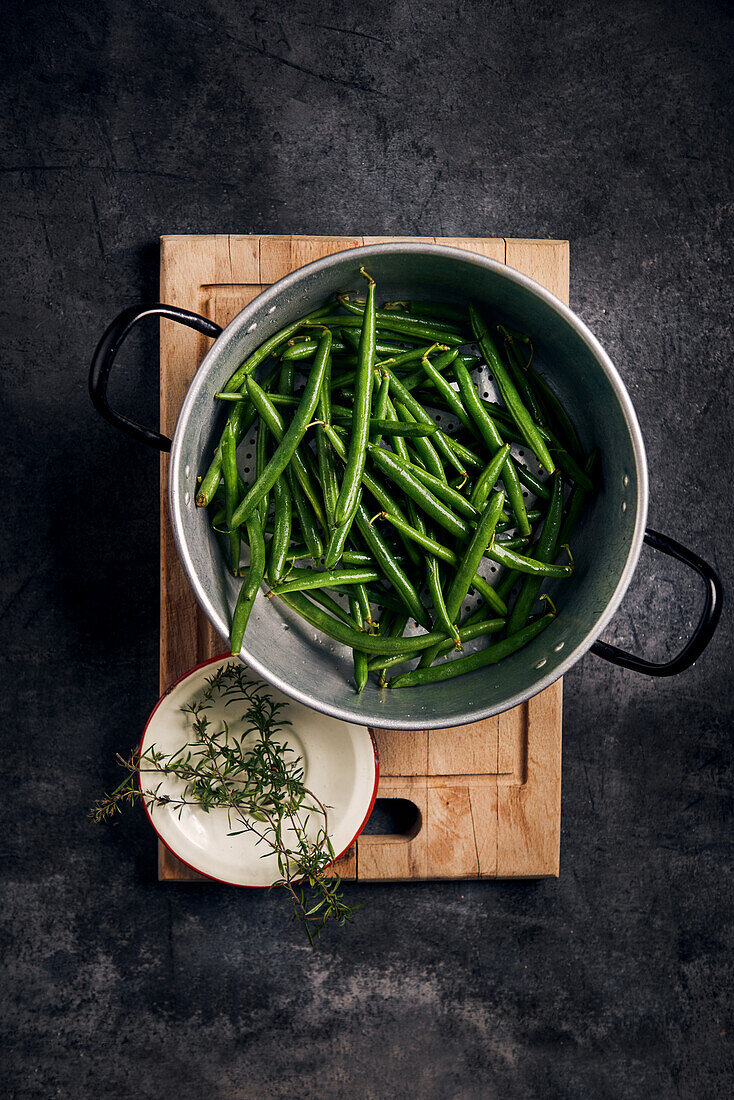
(356, 475)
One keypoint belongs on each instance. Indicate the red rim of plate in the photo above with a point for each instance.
(191, 866)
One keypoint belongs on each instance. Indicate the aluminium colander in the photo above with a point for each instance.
(304, 664)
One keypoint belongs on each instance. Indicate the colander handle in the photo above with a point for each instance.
(107, 349)
(703, 633)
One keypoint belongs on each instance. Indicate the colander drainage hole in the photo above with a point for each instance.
(541, 662)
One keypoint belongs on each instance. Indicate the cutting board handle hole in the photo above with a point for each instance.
(394, 817)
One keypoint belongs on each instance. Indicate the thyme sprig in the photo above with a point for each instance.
(246, 767)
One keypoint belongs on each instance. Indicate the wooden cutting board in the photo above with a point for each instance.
(486, 797)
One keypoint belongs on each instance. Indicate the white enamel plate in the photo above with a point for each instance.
(340, 767)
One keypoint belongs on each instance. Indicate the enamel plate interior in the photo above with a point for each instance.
(318, 671)
(339, 765)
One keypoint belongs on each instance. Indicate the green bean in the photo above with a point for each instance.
(442, 490)
(517, 368)
(451, 398)
(284, 400)
(337, 542)
(555, 413)
(422, 538)
(394, 572)
(409, 429)
(274, 343)
(469, 563)
(250, 585)
(348, 500)
(398, 444)
(323, 598)
(368, 643)
(564, 459)
(482, 659)
(382, 347)
(296, 551)
(545, 551)
(305, 349)
(433, 580)
(413, 355)
(343, 380)
(568, 465)
(360, 595)
(274, 421)
(385, 599)
(494, 441)
(400, 447)
(356, 306)
(327, 467)
(295, 351)
(530, 481)
(276, 398)
(381, 495)
(439, 364)
(439, 311)
(291, 439)
(359, 658)
(468, 458)
(467, 633)
(405, 397)
(430, 331)
(533, 516)
(488, 478)
(220, 517)
(419, 535)
(511, 542)
(378, 491)
(229, 469)
(508, 390)
(300, 580)
(489, 594)
(576, 501)
(429, 503)
(282, 521)
(261, 461)
(380, 409)
(502, 554)
(424, 447)
(241, 417)
(286, 448)
(339, 322)
(306, 516)
(506, 419)
(396, 629)
(357, 557)
(505, 583)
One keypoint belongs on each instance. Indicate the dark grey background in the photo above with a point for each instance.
(603, 123)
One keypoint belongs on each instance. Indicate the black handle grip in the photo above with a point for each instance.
(703, 633)
(107, 349)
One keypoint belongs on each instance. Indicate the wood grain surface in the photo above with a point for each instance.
(487, 795)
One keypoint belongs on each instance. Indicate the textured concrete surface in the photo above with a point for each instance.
(604, 123)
